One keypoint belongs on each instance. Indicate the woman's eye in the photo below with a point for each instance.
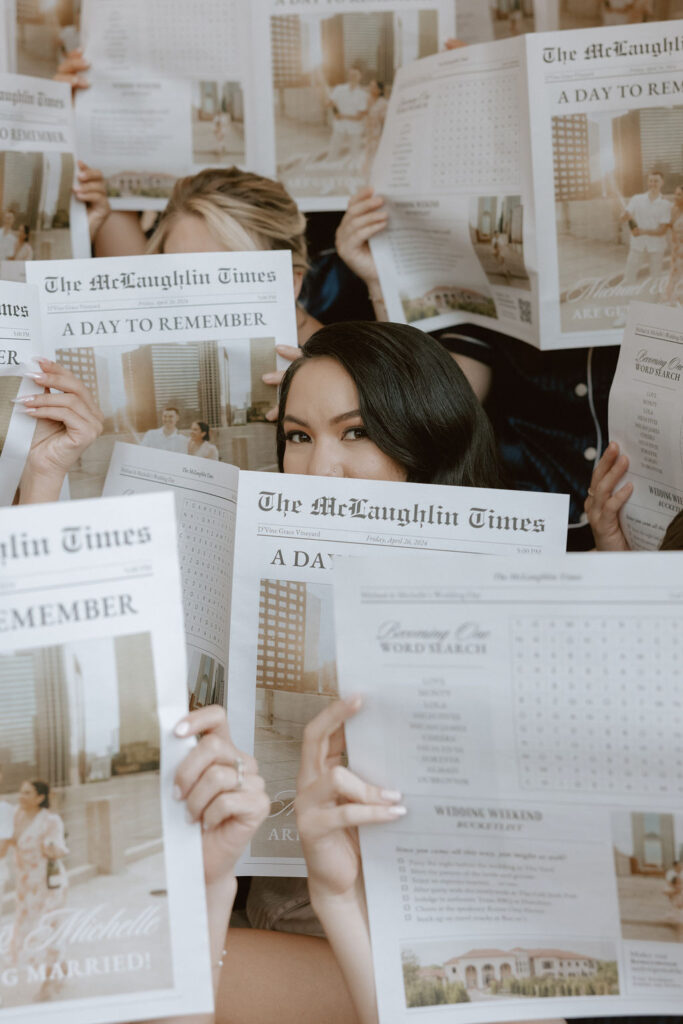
(297, 437)
(355, 433)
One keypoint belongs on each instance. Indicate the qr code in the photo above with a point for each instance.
(524, 310)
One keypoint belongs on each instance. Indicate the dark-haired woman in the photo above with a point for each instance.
(199, 442)
(40, 878)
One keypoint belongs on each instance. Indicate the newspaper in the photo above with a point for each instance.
(173, 348)
(546, 224)
(19, 339)
(270, 85)
(270, 603)
(103, 910)
(40, 219)
(645, 420)
(532, 720)
(36, 35)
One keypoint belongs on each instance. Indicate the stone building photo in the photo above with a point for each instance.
(431, 977)
(648, 856)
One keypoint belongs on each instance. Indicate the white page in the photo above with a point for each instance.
(37, 156)
(289, 531)
(205, 493)
(19, 341)
(170, 94)
(302, 58)
(454, 165)
(191, 331)
(606, 110)
(645, 420)
(92, 673)
(531, 718)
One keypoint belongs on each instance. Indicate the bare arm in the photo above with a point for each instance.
(478, 374)
(120, 235)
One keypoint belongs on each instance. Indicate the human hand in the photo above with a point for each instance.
(92, 190)
(68, 422)
(603, 504)
(71, 70)
(221, 788)
(330, 804)
(289, 352)
(365, 217)
(454, 44)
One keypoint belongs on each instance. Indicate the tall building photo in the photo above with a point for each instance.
(295, 644)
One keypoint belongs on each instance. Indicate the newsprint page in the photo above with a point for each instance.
(19, 340)
(290, 531)
(40, 218)
(646, 421)
(102, 903)
(294, 91)
(543, 171)
(531, 717)
(141, 331)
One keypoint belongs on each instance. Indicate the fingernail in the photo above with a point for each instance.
(177, 793)
(355, 701)
(391, 795)
(39, 378)
(269, 378)
(24, 400)
(182, 728)
(397, 812)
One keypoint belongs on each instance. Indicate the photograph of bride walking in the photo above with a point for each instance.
(83, 908)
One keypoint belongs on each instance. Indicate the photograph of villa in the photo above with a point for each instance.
(433, 978)
(217, 384)
(497, 235)
(648, 856)
(444, 299)
(296, 677)
(332, 76)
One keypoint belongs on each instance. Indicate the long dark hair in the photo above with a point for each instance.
(673, 538)
(415, 401)
(43, 790)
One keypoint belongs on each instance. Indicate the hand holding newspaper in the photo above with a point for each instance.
(103, 917)
(531, 718)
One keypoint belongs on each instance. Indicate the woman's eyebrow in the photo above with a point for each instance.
(353, 414)
(294, 419)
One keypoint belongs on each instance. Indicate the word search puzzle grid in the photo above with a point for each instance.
(598, 703)
(204, 532)
(476, 132)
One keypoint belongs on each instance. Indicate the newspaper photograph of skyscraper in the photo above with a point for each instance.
(296, 677)
(83, 910)
(202, 398)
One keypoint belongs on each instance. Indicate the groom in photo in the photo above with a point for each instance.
(649, 216)
(349, 103)
(167, 436)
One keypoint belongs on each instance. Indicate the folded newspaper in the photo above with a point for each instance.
(533, 183)
(102, 902)
(646, 421)
(40, 219)
(532, 718)
(256, 553)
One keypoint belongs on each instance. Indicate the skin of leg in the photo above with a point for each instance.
(270, 976)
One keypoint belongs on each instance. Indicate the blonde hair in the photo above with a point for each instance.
(244, 212)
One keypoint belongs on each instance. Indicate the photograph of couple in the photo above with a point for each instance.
(202, 398)
(619, 212)
(332, 77)
(81, 842)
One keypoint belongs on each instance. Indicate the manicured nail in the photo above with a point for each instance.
(355, 701)
(39, 378)
(397, 812)
(270, 378)
(25, 400)
(391, 795)
(182, 728)
(177, 793)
